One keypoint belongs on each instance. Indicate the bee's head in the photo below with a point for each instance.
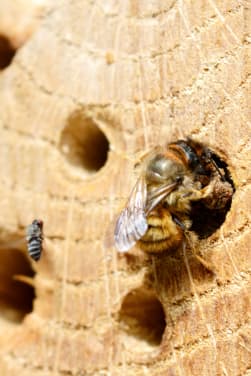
(38, 223)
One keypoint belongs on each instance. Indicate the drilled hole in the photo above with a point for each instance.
(7, 52)
(84, 144)
(142, 321)
(16, 291)
(206, 221)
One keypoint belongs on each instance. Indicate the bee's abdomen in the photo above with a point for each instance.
(35, 248)
(163, 233)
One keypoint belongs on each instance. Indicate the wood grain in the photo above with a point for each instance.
(123, 75)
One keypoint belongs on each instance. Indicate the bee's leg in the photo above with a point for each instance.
(208, 190)
(196, 194)
(179, 223)
(207, 265)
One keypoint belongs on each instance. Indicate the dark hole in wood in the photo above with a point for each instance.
(16, 294)
(142, 319)
(7, 52)
(206, 221)
(84, 144)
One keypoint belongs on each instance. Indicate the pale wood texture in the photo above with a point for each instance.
(144, 73)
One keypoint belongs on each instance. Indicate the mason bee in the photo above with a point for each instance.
(34, 238)
(162, 205)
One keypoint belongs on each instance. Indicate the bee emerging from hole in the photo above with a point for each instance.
(34, 237)
(162, 205)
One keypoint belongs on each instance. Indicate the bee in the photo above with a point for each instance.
(159, 210)
(34, 238)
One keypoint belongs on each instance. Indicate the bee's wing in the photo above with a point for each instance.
(132, 223)
(158, 194)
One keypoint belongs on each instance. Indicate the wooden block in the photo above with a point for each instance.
(94, 86)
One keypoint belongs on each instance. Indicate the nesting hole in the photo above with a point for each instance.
(84, 144)
(16, 290)
(7, 52)
(205, 220)
(141, 321)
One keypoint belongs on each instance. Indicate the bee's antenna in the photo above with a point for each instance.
(209, 155)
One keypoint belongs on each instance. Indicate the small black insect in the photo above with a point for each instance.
(34, 237)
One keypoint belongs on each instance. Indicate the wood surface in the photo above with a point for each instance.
(92, 86)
